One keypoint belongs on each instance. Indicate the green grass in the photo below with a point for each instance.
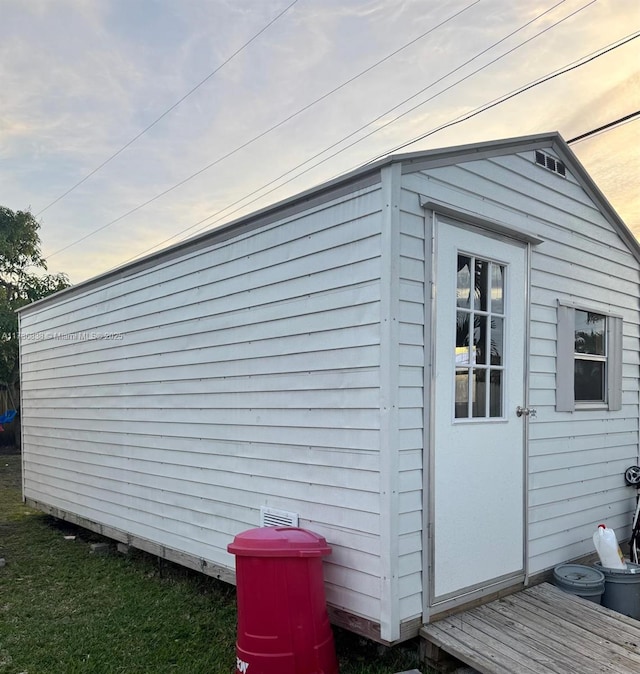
(66, 611)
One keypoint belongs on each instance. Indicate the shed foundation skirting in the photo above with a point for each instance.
(349, 621)
(339, 617)
(171, 555)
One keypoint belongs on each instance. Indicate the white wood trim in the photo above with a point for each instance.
(430, 245)
(20, 420)
(525, 425)
(594, 307)
(614, 363)
(485, 223)
(389, 383)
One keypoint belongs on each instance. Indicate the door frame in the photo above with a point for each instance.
(500, 231)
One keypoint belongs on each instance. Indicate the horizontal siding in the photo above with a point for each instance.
(224, 388)
(240, 375)
(576, 460)
(234, 258)
(411, 405)
(226, 314)
(347, 439)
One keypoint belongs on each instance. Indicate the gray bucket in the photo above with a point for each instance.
(583, 581)
(622, 589)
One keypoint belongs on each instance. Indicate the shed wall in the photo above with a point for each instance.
(576, 460)
(247, 374)
(259, 371)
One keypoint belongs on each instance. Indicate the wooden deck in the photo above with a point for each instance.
(541, 630)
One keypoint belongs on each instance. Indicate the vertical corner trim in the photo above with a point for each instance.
(389, 414)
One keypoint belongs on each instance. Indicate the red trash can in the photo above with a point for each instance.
(283, 626)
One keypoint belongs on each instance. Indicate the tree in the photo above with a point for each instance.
(22, 281)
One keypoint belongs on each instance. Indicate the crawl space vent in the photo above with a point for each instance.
(550, 163)
(269, 517)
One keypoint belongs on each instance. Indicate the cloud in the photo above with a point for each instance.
(82, 77)
(616, 170)
(62, 79)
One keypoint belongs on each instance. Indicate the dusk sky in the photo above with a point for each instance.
(80, 79)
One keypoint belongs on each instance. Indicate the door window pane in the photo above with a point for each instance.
(497, 289)
(479, 393)
(481, 284)
(462, 394)
(495, 393)
(463, 290)
(463, 357)
(497, 340)
(480, 338)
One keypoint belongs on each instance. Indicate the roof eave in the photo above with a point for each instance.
(411, 161)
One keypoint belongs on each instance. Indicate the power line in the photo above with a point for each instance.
(517, 92)
(168, 110)
(264, 133)
(459, 67)
(464, 118)
(605, 127)
(469, 115)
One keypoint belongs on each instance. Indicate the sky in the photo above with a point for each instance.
(291, 93)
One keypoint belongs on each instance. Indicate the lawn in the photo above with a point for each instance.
(65, 610)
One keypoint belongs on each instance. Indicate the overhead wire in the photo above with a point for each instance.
(175, 186)
(260, 196)
(270, 129)
(170, 109)
(571, 66)
(503, 99)
(606, 127)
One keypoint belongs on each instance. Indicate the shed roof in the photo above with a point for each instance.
(367, 175)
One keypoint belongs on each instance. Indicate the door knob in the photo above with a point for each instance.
(526, 411)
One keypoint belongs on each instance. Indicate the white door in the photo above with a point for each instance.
(478, 465)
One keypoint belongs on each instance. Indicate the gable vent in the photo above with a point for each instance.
(550, 163)
(269, 517)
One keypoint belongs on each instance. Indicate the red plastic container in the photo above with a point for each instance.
(283, 626)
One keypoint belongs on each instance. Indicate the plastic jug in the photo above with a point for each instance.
(608, 549)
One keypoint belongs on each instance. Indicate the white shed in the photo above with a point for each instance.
(367, 356)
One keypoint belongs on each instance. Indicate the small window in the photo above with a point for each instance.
(589, 359)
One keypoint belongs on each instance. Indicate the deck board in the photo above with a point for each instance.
(541, 630)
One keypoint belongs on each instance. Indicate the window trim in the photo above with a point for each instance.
(565, 357)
